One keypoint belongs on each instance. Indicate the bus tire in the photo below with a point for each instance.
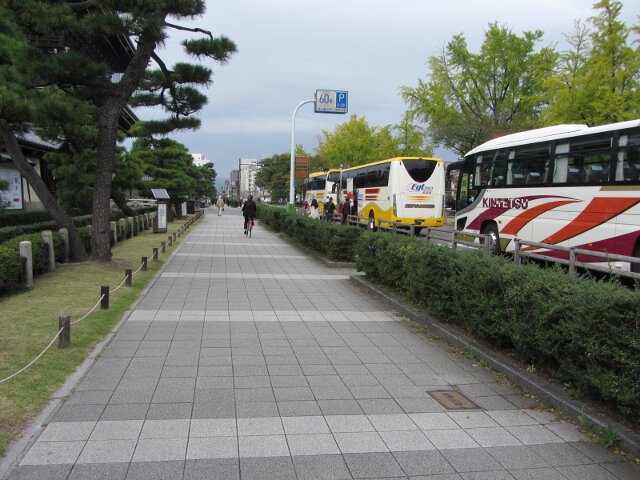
(491, 229)
(372, 221)
(635, 267)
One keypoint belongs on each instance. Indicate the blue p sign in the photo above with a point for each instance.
(341, 100)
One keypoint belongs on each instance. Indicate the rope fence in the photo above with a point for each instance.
(64, 332)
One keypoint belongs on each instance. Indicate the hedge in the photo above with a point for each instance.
(583, 331)
(15, 224)
(11, 264)
(338, 242)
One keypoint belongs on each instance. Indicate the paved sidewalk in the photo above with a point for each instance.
(247, 359)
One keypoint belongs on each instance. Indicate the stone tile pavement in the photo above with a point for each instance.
(247, 359)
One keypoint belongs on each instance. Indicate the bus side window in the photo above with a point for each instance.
(597, 168)
(516, 173)
(463, 191)
(575, 174)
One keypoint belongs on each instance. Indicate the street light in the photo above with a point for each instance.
(291, 207)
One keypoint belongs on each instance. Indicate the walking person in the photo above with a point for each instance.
(248, 211)
(329, 209)
(220, 205)
(314, 210)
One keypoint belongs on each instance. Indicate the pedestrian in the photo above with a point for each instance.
(354, 204)
(220, 205)
(329, 209)
(346, 208)
(314, 210)
(248, 211)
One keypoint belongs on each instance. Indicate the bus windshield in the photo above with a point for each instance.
(419, 169)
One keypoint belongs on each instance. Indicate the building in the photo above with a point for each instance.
(199, 159)
(234, 184)
(247, 168)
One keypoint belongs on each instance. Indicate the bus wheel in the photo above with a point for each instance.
(372, 222)
(635, 267)
(491, 229)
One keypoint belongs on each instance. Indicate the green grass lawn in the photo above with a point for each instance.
(29, 320)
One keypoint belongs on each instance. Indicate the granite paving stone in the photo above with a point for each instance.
(236, 364)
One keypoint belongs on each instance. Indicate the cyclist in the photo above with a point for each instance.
(249, 211)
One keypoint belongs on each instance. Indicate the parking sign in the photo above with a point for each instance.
(331, 101)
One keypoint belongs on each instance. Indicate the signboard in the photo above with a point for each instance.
(162, 217)
(331, 101)
(11, 199)
(302, 167)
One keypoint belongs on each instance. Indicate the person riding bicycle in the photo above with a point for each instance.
(249, 211)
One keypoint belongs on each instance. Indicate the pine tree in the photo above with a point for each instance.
(76, 67)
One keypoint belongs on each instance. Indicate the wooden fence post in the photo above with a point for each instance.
(104, 293)
(64, 324)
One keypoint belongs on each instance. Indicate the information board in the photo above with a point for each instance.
(331, 101)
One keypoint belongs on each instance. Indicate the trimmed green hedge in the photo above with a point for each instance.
(12, 218)
(585, 332)
(337, 242)
(11, 264)
(15, 224)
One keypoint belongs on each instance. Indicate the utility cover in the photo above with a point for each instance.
(453, 400)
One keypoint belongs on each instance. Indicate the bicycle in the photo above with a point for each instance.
(249, 226)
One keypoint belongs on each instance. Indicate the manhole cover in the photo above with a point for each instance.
(453, 400)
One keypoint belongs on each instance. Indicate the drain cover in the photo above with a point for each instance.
(453, 400)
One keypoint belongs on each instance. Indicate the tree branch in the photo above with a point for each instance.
(80, 6)
(187, 29)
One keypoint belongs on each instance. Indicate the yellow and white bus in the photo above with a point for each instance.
(566, 185)
(321, 186)
(402, 189)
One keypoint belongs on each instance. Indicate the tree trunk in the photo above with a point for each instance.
(108, 114)
(76, 248)
(100, 241)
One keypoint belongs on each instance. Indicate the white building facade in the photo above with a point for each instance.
(199, 159)
(247, 168)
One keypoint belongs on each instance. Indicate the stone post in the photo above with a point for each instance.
(114, 233)
(25, 252)
(47, 238)
(64, 234)
(123, 229)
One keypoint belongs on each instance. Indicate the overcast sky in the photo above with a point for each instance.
(289, 48)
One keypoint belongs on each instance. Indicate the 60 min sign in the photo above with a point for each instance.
(331, 101)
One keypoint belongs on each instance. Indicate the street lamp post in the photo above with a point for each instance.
(291, 207)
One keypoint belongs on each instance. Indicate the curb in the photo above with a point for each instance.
(541, 388)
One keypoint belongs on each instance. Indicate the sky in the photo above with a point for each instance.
(287, 49)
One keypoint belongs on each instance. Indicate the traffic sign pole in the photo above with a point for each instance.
(326, 101)
(291, 207)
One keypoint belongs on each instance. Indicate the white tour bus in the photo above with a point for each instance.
(567, 185)
(321, 186)
(403, 189)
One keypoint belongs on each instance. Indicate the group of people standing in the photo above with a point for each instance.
(349, 207)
